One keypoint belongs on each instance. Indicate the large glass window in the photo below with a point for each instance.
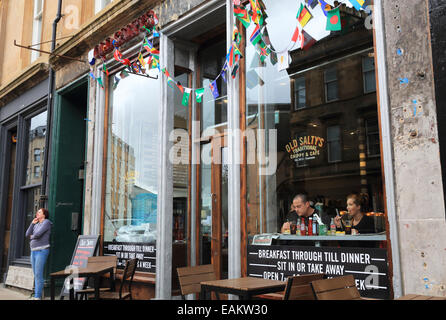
(33, 178)
(131, 189)
(324, 122)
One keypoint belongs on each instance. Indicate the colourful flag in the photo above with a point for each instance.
(141, 60)
(180, 87)
(199, 94)
(234, 71)
(147, 45)
(236, 2)
(296, 35)
(170, 82)
(312, 3)
(124, 74)
(256, 36)
(104, 68)
(100, 82)
(116, 79)
(334, 20)
(273, 58)
(357, 4)
(243, 16)
(214, 89)
(324, 6)
(118, 57)
(307, 40)
(186, 95)
(283, 59)
(303, 16)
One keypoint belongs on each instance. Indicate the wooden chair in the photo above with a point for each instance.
(127, 276)
(339, 288)
(190, 278)
(100, 260)
(297, 288)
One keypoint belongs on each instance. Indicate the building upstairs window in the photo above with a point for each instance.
(334, 144)
(37, 28)
(299, 93)
(368, 73)
(101, 4)
(331, 84)
(37, 155)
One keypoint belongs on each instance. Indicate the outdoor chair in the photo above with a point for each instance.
(339, 288)
(99, 260)
(297, 288)
(190, 278)
(127, 277)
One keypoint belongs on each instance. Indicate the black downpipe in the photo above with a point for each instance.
(45, 176)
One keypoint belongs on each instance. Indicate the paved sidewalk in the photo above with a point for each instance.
(7, 293)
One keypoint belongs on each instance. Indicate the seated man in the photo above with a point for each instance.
(302, 209)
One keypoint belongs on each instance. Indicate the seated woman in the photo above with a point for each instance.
(356, 205)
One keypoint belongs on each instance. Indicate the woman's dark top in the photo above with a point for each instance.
(365, 225)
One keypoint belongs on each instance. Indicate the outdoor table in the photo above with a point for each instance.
(94, 271)
(245, 287)
(419, 297)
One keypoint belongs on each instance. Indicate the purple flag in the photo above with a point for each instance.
(214, 89)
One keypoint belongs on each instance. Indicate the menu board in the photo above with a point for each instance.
(86, 246)
(144, 252)
(368, 266)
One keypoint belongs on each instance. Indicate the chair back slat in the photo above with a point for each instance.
(299, 287)
(339, 288)
(190, 278)
(127, 276)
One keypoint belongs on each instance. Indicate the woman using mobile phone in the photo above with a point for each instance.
(39, 233)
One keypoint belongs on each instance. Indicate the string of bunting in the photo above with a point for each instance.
(254, 12)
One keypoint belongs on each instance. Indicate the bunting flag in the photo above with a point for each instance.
(147, 45)
(296, 35)
(312, 3)
(358, 4)
(180, 87)
(257, 15)
(186, 95)
(283, 59)
(170, 82)
(199, 94)
(214, 89)
(91, 58)
(273, 58)
(325, 7)
(308, 40)
(236, 2)
(118, 57)
(141, 60)
(242, 14)
(104, 68)
(256, 36)
(234, 71)
(303, 16)
(116, 79)
(124, 74)
(334, 20)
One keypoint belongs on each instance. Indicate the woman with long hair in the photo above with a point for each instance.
(39, 233)
(356, 207)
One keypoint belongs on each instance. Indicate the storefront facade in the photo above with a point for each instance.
(183, 184)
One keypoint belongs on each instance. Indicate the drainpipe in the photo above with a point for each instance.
(43, 195)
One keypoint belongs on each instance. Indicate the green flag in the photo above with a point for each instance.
(186, 95)
(199, 94)
(334, 20)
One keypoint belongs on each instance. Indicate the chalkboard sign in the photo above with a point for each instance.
(144, 252)
(368, 266)
(86, 246)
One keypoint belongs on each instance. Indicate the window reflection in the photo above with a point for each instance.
(132, 161)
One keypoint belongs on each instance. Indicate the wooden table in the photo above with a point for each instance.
(419, 297)
(94, 271)
(245, 288)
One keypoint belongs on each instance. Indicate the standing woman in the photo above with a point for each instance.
(39, 233)
(356, 206)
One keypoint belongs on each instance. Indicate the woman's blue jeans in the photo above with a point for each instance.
(38, 260)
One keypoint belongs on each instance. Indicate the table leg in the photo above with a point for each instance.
(96, 287)
(52, 288)
(203, 293)
(112, 280)
(71, 289)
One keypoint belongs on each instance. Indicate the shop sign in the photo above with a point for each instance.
(367, 265)
(305, 148)
(144, 252)
(264, 239)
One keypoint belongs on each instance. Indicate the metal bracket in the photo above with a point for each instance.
(47, 52)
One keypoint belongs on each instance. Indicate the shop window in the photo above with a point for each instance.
(101, 4)
(37, 28)
(334, 144)
(331, 84)
(368, 72)
(372, 134)
(30, 188)
(131, 187)
(299, 93)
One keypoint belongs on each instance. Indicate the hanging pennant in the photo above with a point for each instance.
(214, 89)
(334, 20)
(199, 94)
(242, 14)
(312, 3)
(170, 82)
(283, 60)
(256, 36)
(180, 87)
(308, 40)
(141, 60)
(303, 15)
(186, 95)
(118, 57)
(91, 58)
(358, 4)
(325, 7)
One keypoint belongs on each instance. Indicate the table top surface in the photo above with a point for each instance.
(245, 283)
(419, 297)
(359, 237)
(82, 272)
